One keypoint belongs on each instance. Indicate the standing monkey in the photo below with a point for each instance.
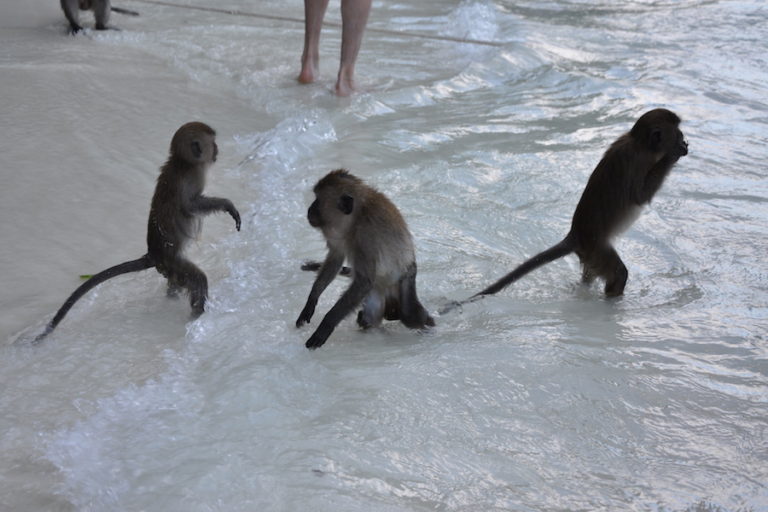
(361, 225)
(174, 219)
(626, 178)
(101, 9)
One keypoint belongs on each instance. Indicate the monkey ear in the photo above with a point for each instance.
(346, 204)
(655, 139)
(197, 151)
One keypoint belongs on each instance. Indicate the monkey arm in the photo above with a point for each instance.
(655, 179)
(354, 295)
(328, 271)
(203, 204)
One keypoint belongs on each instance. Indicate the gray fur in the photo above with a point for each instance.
(101, 10)
(362, 225)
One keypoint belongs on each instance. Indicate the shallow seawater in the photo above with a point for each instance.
(544, 397)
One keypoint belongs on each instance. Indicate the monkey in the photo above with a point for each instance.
(362, 225)
(101, 10)
(174, 219)
(630, 173)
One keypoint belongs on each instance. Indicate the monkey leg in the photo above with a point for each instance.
(101, 10)
(412, 313)
(372, 312)
(184, 274)
(71, 10)
(587, 275)
(355, 294)
(607, 264)
(392, 304)
(172, 291)
(327, 273)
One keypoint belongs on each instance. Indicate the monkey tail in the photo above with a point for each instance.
(142, 263)
(563, 248)
(120, 10)
(557, 251)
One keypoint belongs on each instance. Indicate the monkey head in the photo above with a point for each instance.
(326, 211)
(336, 200)
(195, 143)
(658, 131)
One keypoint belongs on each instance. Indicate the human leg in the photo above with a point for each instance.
(314, 11)
(354, 17)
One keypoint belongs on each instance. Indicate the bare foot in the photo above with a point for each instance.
(309, 69)
(343, 89)
(345, 85)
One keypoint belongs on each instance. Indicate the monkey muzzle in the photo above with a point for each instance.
(313, 216)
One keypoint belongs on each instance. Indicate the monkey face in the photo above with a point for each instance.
(678, 147)
(336, 203)
(313, 215)
(668, 142)
(658, 130)
(195, 143)
(330, 210)
(682, 144)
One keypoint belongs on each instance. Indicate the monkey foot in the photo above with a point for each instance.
(363, 322)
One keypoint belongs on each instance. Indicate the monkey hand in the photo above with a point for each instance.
(235, 215)
(317, 340)
(306, 315)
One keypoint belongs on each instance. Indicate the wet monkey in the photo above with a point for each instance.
(361, 225)
(101, 10)
(174, 219)
(630, 173)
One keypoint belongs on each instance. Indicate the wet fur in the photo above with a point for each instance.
(626, 178)
(174, 218)
(101, 10)
(362, 226)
